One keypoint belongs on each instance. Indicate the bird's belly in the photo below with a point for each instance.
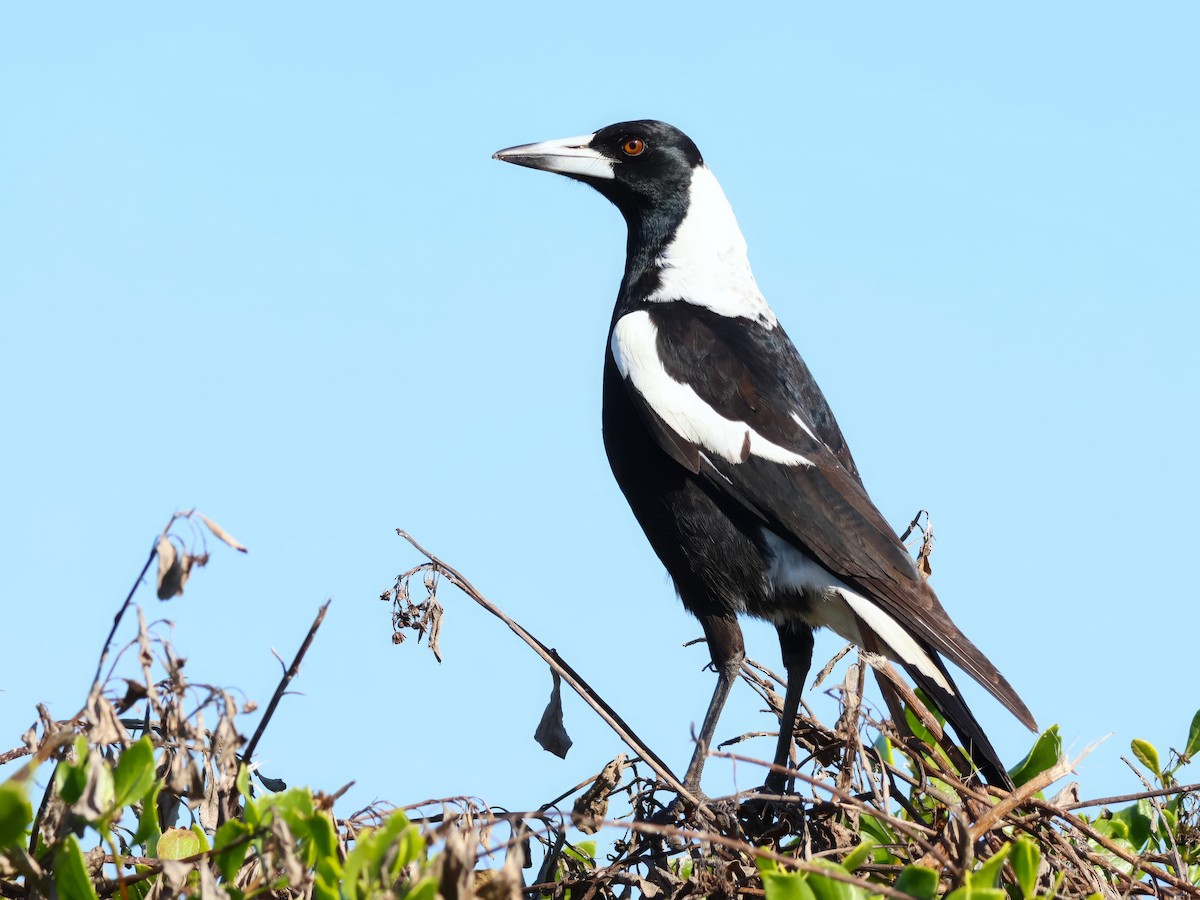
(820, 595)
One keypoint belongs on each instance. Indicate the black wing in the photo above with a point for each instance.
(752, 375)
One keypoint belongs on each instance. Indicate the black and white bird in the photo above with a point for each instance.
(729, 455)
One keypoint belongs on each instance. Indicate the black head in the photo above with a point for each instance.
(641, 166)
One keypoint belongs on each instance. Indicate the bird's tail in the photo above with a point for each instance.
(959, 716)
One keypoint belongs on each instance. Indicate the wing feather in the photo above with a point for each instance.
(746, 374)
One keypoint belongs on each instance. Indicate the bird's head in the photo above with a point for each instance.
(643, 166)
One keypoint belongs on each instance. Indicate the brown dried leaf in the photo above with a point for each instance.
(221, 533)
(183, 776)
(106, 727)
(173, 569)
(666, 880)
(97, 798)
(1067, 796)
(175, 874)
(134, 691)
(431, 625)
(455, 866)
(504, 883)
(167, 560)
(293, 868)
(592, 806)
(923, 557)
(647, 889)
(550, 733)
(209, 888)
(209, 811)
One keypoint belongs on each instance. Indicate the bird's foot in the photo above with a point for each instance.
(771, 812)
(698, 813)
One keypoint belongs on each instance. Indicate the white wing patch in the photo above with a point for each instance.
(804, 426)
(837, 606)
(633, 346)
(706, 263)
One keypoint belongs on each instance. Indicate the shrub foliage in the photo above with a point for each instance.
(151, 790)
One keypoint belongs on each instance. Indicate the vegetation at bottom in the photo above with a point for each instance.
(151, 790)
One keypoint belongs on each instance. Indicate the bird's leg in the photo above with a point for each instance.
(796, 643)
(727, 651)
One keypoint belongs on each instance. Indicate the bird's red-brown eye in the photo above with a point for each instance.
(633, 147)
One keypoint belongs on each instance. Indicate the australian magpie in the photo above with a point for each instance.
(730, 456)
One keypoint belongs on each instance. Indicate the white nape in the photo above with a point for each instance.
(706, 263)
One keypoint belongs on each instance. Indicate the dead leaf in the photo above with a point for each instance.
(592, 806)
(106, 727)
(647, 889)
(98, 793)
(221, 533)
(1067, 796)
(664, 878)
(183, 776)
(271, 784)
(209, 888)
(173, 569)
(454, 867)
(293, 868)
(504, 883)
(133, 693)
(209, 811)
(550, 733)
(175, 873)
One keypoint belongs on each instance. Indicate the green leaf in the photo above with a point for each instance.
(148, 830)
(178, 843)
(408, 841)
(1026, 858)
(253, 811)
(326, 889)
(884, 747)
(324, 835)
(70, 778)
(880, 834)
(364, 864)
(1193, 741)
(920, 732)
(294, 804)
(1137, 822)
(411, 846)
(243, 781)
(201, 836)
(71, 875)
(1146, 754)
(1046, 751)
(425, 889)
(988, 875)
(826, 888)
(584, 852)
(134, 773)
(230, 858)
(16, 814)
(918, 881)
(973, 893)
(787, 886)
(859, 854)
(1115, 828)
(930, 705)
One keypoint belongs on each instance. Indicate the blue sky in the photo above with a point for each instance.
(259, 261)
